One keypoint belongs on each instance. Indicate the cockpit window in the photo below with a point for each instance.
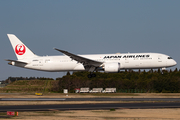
(169, 57)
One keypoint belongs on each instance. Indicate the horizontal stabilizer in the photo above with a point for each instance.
(15, 61)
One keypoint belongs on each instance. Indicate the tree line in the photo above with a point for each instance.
(12, 79)
(149, 81)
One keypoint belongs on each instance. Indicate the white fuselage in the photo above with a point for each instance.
(72, 62)
(127, 61)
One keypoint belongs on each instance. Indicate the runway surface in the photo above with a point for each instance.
(144, 103)
(91, 106)
(92, 99)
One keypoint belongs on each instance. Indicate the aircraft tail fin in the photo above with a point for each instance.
(20, 49)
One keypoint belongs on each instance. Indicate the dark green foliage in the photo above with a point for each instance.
(112, 109)
(129, 81)
(126, 81)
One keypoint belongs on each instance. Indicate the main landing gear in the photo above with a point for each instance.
(91, 75)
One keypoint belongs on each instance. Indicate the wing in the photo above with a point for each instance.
(83, 60)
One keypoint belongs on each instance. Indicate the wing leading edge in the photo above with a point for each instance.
(83, 60)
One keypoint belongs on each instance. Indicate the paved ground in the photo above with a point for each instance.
(95, 106)
(92, 99)
(118, 114)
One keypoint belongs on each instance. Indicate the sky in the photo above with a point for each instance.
(88, 27)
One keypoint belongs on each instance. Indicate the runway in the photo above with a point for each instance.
(92, 99)
(90, 106)
(144, 103)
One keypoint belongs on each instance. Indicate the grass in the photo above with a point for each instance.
(27, 86)
(112, 109)
(3, 113)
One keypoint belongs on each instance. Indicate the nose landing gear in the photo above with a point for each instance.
(163, 69)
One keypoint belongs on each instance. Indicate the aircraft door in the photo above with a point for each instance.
(159, 58)
(126, 60)
(41, 62)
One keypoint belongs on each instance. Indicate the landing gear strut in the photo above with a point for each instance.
(162, 70)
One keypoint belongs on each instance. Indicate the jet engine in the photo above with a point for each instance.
(112, 67)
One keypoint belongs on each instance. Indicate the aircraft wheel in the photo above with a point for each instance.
(89, 76)
(93, 75)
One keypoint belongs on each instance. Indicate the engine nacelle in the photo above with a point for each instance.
(112, 67)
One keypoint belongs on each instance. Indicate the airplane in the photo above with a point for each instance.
(109, 63)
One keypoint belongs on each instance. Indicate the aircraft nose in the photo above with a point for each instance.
(174, 63)
(171, 63)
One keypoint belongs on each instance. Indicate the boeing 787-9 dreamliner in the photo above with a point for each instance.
(94, 62)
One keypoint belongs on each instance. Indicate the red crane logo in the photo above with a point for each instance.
(20, 49)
